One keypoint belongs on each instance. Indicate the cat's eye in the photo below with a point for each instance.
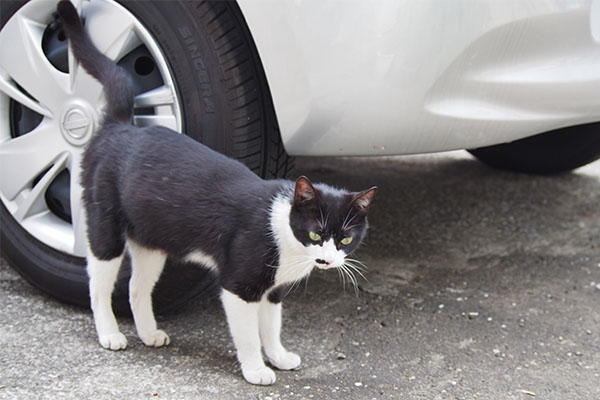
(314, 236)
(347, 240)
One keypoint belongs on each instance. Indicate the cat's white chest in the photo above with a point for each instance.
(294, 264)
(292, 268)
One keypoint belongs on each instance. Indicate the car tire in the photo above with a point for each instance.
(552, 152)
(225, 104)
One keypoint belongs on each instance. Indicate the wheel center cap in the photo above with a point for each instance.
(77, 123)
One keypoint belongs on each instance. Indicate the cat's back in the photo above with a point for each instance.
(160, 148)
(155, 154)
(162, 157)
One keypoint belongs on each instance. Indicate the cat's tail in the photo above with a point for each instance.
(118, 87)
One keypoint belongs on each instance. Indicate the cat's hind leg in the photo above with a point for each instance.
(103, 274)
(146, 267)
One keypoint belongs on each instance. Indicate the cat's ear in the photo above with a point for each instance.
(362, 200)
(304, 192)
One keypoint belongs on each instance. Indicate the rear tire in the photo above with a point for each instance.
(548, 153)
(225, 104)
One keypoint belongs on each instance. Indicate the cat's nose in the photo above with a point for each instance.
(321, 261)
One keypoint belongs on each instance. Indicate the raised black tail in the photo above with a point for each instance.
(118, 88)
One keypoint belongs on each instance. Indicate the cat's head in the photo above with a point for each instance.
(330, 223)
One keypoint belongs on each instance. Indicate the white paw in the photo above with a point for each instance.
(113, 341)
(286, 361)
(157, 338)
(262, 376)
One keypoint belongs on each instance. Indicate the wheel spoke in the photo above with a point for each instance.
(77, 211)
(168, 121)
(85, 85)
(26, 157)
(115, 39)
(22, 60)
(155, 97)
(162, 100)
(8, 87)
(33, 201)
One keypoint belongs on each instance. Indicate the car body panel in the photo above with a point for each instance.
(384, 77)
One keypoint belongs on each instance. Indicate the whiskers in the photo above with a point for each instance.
(296, 269)
(348, 269)
(293, 270)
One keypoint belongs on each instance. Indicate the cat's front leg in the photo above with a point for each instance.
(270, 331)
(242, 318)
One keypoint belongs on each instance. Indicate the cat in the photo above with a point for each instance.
(155, 193)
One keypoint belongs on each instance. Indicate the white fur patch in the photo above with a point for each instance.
(243, 321)
(146, 268)
(252, 326)
(296, 261)
(328, 252)
(269, 317)
(199, 257)
(103, 275)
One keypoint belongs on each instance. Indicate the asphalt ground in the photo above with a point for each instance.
(481, 284)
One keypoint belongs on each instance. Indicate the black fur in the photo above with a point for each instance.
(166, 191)
(331, 214)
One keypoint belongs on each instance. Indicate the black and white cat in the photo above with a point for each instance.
(153, 192)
